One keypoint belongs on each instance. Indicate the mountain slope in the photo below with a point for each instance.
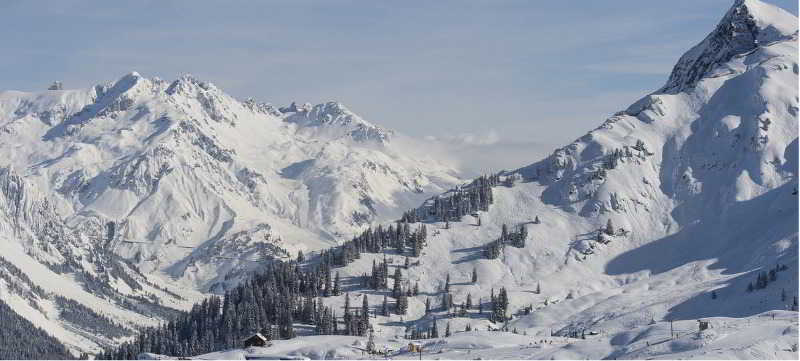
(109, 191)
(699, 181)
(186, 176)
(62, 280)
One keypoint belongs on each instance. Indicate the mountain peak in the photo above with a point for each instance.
(126, 82)
(188, 83)
(336, 119)
(747, 25)
(771, 20)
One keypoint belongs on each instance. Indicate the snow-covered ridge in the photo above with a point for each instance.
(64, 279)
(179, 166)
(334, 119)
(746, 26)
(179, 182)
(698, 179)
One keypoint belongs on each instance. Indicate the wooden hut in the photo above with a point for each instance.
(257, 339)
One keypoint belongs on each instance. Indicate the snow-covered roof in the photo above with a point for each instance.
(257, 334)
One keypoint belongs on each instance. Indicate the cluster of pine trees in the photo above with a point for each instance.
(613, 159)
(765, 277)
(87, 319)
(499, 305)
(269, 303)
(399, 237)
(513, 238)
(432, 331)
(23, 341)
(285, 293)
(476, 196)
(609, 230)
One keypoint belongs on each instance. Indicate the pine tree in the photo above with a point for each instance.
(469, 301)
(427, 305)
(327, 291)
(347, 318)
(447, 284)
(385, 306)
(407, 263)
(434, 330)
(336, 288)
(300, 257)
(447, 330)
(401, 303)
(474, 275)
(385, 272)
(610, 228)
(364, 309)
(398, 278)
(371, 341)
(538, 288)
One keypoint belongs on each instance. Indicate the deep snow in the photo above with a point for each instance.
(702, 190)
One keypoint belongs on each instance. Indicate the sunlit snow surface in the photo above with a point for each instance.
(199, 185)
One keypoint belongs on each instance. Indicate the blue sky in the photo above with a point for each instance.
(513, 78)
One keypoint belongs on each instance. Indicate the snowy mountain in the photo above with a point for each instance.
(125, 197)
(698, 180)
(179, 181)
(181, 172)
(682, 207)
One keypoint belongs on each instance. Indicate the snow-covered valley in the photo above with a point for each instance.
(143, 196)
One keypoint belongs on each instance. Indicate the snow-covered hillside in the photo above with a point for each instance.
(184, 175)
(63, 280)
(757, 337)
(179, 181)
(699, 181)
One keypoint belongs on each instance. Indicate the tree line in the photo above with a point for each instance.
(474, 197)
(512, 238)
(272, 301)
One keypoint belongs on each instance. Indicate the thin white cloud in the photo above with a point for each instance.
(467, 139)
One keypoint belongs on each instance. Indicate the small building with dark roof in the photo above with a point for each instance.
(257, 339)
